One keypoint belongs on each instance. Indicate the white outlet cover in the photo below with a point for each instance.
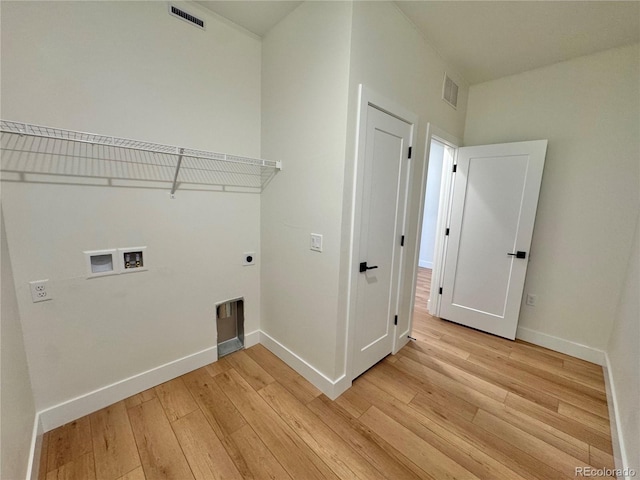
(316, 242)
(248, 258)
(40, 291)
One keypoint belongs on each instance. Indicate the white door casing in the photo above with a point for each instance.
(493, 209)
(383, 189)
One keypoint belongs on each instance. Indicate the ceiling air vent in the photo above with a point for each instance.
(187, 17)
(450, 91)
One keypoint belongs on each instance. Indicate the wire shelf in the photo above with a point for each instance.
(53, 151)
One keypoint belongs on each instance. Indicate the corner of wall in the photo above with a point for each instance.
(17, 410)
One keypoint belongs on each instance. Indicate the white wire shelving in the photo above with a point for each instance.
(38, 149)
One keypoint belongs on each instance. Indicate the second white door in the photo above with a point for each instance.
(493, 209)
(384, 197)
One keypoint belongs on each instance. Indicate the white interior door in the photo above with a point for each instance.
(384, 195)
(493, 209)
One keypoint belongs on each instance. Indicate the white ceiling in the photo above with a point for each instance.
(485, 40)
(489, 40)
(256, 16)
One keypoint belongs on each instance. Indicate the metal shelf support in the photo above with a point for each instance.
(175, 177)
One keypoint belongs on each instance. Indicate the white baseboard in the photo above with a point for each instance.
(75, 408)
(78, 407)
(331, 388)
(425, 264)
(82, 405)
(251, 339)
(561, 345)
(619, 450)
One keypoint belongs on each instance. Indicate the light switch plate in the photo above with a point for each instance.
(531, 300)
(316, 242)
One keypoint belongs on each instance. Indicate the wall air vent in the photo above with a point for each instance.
(450, 91)
(187, 17)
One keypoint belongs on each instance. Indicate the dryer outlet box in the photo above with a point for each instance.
(249, 258)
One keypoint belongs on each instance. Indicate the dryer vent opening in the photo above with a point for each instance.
(230, 325)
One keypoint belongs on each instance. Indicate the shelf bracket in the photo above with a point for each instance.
(175, 177)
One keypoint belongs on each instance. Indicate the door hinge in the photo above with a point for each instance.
(446, 233)
(455, 167)
(395, 320)
(440, 291)
(402, 241)
(410, 150)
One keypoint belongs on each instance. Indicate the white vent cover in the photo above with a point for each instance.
(187, 17)
(450, 91)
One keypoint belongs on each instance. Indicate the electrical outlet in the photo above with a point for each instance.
(39, 291)
(531, 300)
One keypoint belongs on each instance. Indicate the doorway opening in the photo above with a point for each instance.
(483, 234)
(441, 156)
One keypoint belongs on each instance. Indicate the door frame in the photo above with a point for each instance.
(444, 207)
(366, 98)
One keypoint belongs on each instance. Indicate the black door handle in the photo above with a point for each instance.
(364, 268)
(518, 254)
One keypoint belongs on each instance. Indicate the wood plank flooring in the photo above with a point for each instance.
(455, 404)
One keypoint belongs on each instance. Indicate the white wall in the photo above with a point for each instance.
(305, 70)
(128, 69)
(431, 204)
(17, 410)
(312, 64)
(390, 56)
(588, 109)
(624, 358)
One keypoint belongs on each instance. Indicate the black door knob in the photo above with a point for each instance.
(364, 267)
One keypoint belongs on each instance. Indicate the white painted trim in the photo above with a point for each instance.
(562, 345)
(619, 450)
(434, 133)
(87, 403)
(251, 338)
(63, 413)
(418, 232)
(331, 388)
(444, 216)
(425, 264)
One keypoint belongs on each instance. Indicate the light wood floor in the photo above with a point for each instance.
(454, 404)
